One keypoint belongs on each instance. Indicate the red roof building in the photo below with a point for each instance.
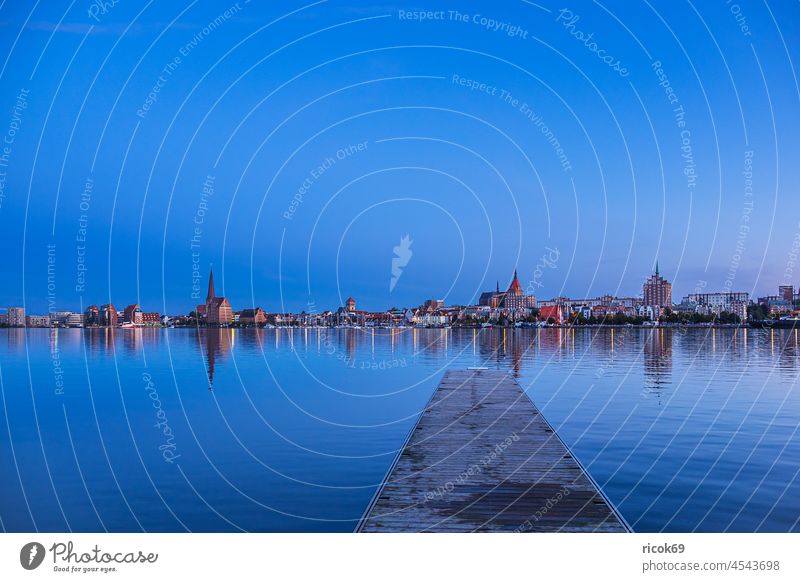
(548, 312)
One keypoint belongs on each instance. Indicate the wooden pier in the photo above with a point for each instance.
(482, 458)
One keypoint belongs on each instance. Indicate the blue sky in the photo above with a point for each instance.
(489, 149)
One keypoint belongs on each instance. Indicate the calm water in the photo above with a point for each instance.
(278, 430)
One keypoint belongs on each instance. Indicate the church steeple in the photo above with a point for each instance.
(656, 268)
(515, 288)
(211, 295)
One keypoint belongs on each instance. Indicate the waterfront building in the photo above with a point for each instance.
(4, 319)
(219, 311)
(431, 318)
(37, 320)
(786, 292)
(66, 319)
(657, 291)
(151, 318)
(282, 319)
(91, 316)
(551, 314)
(716, 303)
(397, 315)
(513, 299)
(216, 310)
(132, 314)
(108, 315)
(349, 315)
(597, 307)
(779, 306)
(253, 317)
(180, 320)
(15, 317)
(377, 318)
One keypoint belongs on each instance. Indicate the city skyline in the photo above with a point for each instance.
(297, 305)
(653, 301)
(484, 156)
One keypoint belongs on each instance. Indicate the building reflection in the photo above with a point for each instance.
(15, 339)
(97, 340)
(215, 343)
(131, 339)
(657, 359)
(784, 348)
(505, 347)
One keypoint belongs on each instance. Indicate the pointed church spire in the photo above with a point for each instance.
(515, 288)
(211, 294)
(656, 267)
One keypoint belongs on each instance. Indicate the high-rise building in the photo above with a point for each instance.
(786, 292)
(15, 317)
(657, 291)
(108, 315)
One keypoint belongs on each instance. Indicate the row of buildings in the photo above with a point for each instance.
(103, 316)
(656, 303)
(510, 306)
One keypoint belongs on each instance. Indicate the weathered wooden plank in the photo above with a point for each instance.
(482, 458)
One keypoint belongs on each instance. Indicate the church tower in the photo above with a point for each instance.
(211, 294)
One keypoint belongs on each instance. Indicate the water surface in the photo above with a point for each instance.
(292, 430)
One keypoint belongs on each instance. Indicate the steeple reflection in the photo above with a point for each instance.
(216, 343)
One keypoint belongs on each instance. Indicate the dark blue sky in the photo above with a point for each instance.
(490, 145)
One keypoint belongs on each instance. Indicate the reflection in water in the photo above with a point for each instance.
(15, 338)
(657, 360)
(215, 343)
(514, 349)
(673, 423)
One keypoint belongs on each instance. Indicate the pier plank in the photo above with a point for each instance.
(482, 458)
